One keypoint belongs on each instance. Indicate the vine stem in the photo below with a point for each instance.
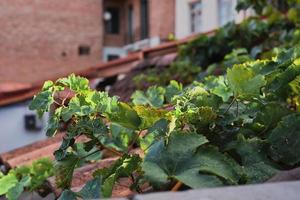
(117, 153)
(237, 108)
(176, 186)
(233, 100)
(113, 151)
(83, 157)
(63, 101)
(134, 140)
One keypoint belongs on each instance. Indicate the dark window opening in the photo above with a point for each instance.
(32, 123)
(196, 16)
(106, 82)
(84, 50)
(112, 57)
(130, 24)
(144, 19)
(112, 25)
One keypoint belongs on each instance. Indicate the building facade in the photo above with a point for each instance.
(20, 126)
(45, 39)
(136, 24)
(198, 16)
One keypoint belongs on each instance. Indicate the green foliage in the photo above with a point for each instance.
(219, 87)
(91, 190)
(232, 44)
(42, 102)
(244, 82)
(26, 177)
(284, 140)
(64, 170)
(7, 182)
(123, 167)
(153, 97)
(232, 129)
(183, 163)
(125, 116)
(155, 133)
(150, 115)
(182, 71)
(266, 7)
(253, 153)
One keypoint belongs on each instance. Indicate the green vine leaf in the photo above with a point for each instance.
(14, 192)
(123, 167)
(174, 88)
(245, 83)
(126, 116)
(217, 86)
(64, 171)
(154, 97)
(68, 195)
(7, 182)
(155, 133)
(150, 115)
(119, 139)
(181, 160)
(42, 102)
(91, 190)
(253, 152)
(284, 140)
(76, 83)
(53, 123)
(269, 115)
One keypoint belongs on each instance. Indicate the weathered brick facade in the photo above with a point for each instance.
(40, 39)
(161, 20)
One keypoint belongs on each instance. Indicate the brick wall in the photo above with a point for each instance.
(116, 40)
(162, 18)
(40, 38)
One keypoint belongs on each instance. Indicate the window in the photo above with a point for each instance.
(196, 16)
(112, 57)
(130, 24)
(112, 23)
(83, 50)
(144, 19)
(225, 11)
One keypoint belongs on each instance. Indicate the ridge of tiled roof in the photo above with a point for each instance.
(10, 87)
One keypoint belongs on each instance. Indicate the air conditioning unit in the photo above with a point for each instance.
(32, 122)
(142, 44)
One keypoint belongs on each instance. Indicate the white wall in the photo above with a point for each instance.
(210, 16)
(182, 19)
(12, 127)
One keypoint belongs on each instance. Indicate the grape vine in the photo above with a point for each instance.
(238, 128)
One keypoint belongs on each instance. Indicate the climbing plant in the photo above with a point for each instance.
(29, 177)
(256, 37)
(237, 128)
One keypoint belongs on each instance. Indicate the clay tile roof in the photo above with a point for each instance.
(10, 87)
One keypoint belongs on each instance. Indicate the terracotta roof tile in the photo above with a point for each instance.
(9, 87)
